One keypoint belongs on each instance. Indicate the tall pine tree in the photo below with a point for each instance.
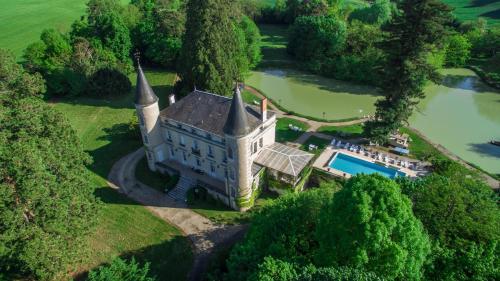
(413, 30)
(210, 47)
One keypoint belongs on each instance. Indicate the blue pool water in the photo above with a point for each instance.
(353, 166)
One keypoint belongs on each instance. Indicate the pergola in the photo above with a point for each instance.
(284, 162)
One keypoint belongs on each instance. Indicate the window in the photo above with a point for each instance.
(182, 141)
(198, 163)
(212, 168)
(231, 173)
(146, 141)
(261, 142)
(195, 144)
(169, 136)
(230, 152)
(254, 147)
(172, 151)
(210, 151)
(224, 157)
(184, 158)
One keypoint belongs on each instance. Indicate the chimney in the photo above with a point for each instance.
(171, 99)
(263, 109)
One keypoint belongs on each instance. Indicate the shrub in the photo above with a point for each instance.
(457, 50)
(121, 270)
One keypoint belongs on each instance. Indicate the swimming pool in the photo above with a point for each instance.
(354, 166)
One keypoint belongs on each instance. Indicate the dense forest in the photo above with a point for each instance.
(445, 226)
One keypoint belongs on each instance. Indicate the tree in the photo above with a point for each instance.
(249, 43)
(461, 214)
(370, 225)
(47, 207)
(457, 50)
(209, 47)
(108, 82)
(15, 82)
(276, 270)
(282, 230)
(314, 39)
(106, 23)
(377, 13)
(411, 33)
(121, 270)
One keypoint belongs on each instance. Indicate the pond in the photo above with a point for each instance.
(313, 95)
(462, 114)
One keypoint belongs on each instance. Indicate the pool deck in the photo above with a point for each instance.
(324, 159)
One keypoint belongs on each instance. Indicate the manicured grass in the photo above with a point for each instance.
(320, 142)
(273, 45)
(217, 212)
(156, 180)
(284, 133)
(350, 131)
(472, 9)
(125, 227)
(420, 148)
(249, 98)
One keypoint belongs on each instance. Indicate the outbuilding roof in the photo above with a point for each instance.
(284, 159)
(209, 112)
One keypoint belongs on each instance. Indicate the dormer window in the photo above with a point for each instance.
(230, 152)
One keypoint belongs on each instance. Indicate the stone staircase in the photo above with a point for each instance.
(179, 192)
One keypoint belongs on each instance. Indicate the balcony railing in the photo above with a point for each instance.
(196, 151)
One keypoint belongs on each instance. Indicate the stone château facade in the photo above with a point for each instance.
(222, 142)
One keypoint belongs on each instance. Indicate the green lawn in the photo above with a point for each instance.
(284, 133)
(350, 131)
(472, 9)
(249, 98)
(219, 213)
(420, 148)
(23, 20)
(273, 46)
(156, 180)
(125, 228)
(320, 142)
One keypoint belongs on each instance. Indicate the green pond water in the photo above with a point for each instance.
(313, 95)
(462, 114)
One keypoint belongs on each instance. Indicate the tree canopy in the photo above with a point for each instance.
(209, 47)
(121, 270)
(46, 204)
(370, 225)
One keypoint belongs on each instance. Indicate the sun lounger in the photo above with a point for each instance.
(332, 142)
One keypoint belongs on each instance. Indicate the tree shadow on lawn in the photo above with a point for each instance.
(480, 3)
(121, 142)
(495, 14)
(170, 260)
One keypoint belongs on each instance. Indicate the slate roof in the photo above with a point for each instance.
(144, 94)
(208, 112)
(237, 120)
(284, 158)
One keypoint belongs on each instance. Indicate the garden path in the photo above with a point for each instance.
(206, 236)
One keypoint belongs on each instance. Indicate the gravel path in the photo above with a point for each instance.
(206, 236)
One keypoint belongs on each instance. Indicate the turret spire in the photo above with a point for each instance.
(237, 121)
(144, 94)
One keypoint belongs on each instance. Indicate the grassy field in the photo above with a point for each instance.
(472, 9)
(125, 228)
(319, 142)
(284, 133)
(353, 131)
(23, 20)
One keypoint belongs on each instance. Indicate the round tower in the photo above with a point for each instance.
(148, 112)
(238, 142)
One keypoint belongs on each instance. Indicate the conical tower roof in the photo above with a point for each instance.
(237, 120)
(144, 94)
